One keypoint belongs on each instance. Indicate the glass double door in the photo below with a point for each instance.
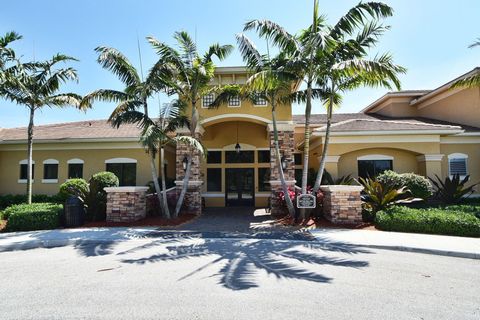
(239, 187)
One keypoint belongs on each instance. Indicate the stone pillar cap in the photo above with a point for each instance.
(126, 189)
(341, 188)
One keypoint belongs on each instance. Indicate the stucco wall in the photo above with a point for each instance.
(94, 162)
(473, 162)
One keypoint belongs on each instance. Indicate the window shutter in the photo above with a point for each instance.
(458, 166)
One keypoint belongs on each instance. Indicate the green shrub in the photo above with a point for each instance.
(8, 200)
(446, 221)
(35, 216)
(97, 198)
(73, 187)
(452, 189)
(418, 186)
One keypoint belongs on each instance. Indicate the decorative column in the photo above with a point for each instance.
(287, 147)
(430, 165)
(331, 165)
(193, 198)
(126, 204)
(342, 204)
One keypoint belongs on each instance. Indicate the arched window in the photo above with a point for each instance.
(24, 170)
(125, 169)
(50, 171)
(373, 164)
(457, 164)
(75, 168)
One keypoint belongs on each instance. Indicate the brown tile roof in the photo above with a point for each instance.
(373, 122)
(94, 129)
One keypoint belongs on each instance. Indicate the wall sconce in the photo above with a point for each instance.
(284, 162)
(184, 163)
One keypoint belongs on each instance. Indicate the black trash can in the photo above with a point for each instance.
(74, 212)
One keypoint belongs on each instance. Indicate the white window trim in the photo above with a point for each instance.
(121, 160)
(49, 181)
(204, 106)
(25, 161)
(459, 156)
(230, 106)
(75, 161)
(375, 157)
(50, 161)
(24, 181)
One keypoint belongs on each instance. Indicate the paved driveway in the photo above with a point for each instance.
(243, 222)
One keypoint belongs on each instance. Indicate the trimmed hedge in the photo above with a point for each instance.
(8, 200)
(73, 187)
(36, 216)
(447, 221)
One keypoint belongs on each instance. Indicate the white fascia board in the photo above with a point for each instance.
(386, 132)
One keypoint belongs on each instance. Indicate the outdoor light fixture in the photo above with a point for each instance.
(237, 146)
(284, 162)
(184, 163)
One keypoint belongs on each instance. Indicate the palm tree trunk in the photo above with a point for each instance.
(306, 146)
(29, 152)
(184, 187)
(318, 180)
(164, 187)
(186, 178)
(153, 169)
(291, 209)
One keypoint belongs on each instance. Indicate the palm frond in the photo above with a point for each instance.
(192, 142)
(63, 100)
(475, 44)
(187, 46)
(113, 60)
(221, 52)
(273, 31)
(468, 82)
(249, 52)
(105, 95)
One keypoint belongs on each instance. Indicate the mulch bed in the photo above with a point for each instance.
(147, 222)
(319, 223)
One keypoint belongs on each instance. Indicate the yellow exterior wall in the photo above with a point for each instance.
(94, 162)
(461, 106)
(403, 161)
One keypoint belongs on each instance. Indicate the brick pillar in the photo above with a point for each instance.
(193, 198)
(287, 147)
(342, 204)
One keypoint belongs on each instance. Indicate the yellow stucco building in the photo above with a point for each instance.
(434, 132)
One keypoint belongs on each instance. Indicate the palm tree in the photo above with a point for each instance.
(132, 102)
(310, 52)
(275, 86)
(190, 81)
(470, 81)
(36, 85)
(157, 134)
(7, 55)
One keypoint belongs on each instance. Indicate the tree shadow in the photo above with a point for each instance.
(243, 258)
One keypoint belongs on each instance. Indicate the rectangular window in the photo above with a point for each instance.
(264, 179)
(50, 171)
(259, 100)
(458, 166)
(372, 168)
(24, 171)
(298, 176)
(263, 156)
(207, 100)
(75, 170)
(125, 172)
(298, 159)
(214, 179)
(241, 157)
(234, 101)
(214, 157)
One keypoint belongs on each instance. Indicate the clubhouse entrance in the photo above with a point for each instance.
(239, 187)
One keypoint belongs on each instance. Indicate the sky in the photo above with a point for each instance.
(428, 37)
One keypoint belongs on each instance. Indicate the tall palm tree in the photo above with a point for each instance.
(156, 134)
(191, 77)
(470, 81)
(36, 85)
(275, 86)
(132, 102)
(308, 51)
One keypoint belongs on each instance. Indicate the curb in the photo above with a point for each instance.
(438, 252)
